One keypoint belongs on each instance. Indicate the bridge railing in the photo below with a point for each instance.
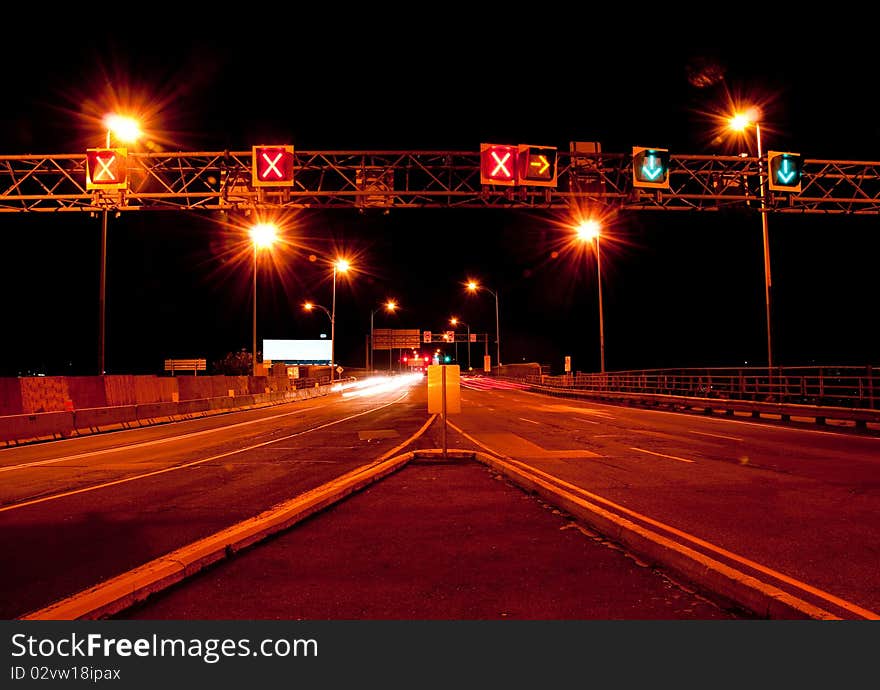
(837, 386)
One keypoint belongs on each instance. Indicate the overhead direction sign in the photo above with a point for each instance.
(537, 165)
(106, 168)
(784, 171)
(426, 337)
(498, 164)
(396, 339)
(650, 167)
(272, 166)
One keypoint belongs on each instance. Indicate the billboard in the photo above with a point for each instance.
(297, 351)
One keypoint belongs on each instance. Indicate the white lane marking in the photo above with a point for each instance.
(144, 444)
(843, 603)
(13, 506)
(531, 421)
(661, 455)
(705, 433)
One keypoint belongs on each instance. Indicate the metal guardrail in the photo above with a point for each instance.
(833, 392)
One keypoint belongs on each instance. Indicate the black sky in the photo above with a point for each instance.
(680, 289)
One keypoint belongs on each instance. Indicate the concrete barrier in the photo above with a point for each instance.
(155, 413)
(25, 428)
(90, 420)
(41, 426)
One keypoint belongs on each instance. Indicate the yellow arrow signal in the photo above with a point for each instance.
(541, 163)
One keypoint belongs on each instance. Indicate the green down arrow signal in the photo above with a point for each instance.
(651, 169)
(784, 174)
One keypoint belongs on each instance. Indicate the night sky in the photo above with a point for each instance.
(680, 289)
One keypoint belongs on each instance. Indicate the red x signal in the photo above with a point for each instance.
(272, 166)
(106, 169)
(498, 164)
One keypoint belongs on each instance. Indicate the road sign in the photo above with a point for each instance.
(396, 338)
(272, 166)
(426, 337)
(537, 165)
(785, 171)
(650, 167)
(449, 336)
(487, 363)
(106, 168)
(498, 164)
(436, 374)
(567, 364)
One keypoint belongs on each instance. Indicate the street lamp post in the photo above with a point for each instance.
(339, 266)
(473, 287)
(389, 306)
(739, 122)
(125, 129)
(308, 306)
(455, 321)
(587, 231)
(263, 236)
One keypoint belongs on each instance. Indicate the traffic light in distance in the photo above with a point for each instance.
(106, 169)
(784, 171)
(272, 166)
(537, 165)
(650, 167)
(498, 164)
(446, 358)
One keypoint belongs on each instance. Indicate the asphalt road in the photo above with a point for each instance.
(796, 508)
(76, 512)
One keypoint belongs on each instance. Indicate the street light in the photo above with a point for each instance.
(738, 123)
(309, 306)
(126, 130)
(263, 236)
(473, 286)
(587, 231)
(455, 322)
(339, 266)
(389, 306)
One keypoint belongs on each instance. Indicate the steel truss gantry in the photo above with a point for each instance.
(426, 179)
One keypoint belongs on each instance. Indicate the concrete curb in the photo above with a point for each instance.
(125, 590)
(737, 587)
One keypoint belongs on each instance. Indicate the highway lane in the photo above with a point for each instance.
(76, 512)
(802, 503)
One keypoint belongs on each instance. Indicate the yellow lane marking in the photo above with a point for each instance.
(849, 606)
(120, 592)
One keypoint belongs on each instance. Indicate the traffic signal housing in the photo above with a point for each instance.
(650, 167)
(784, 171)
(272, 166)
(106, 168)
(537, 165)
